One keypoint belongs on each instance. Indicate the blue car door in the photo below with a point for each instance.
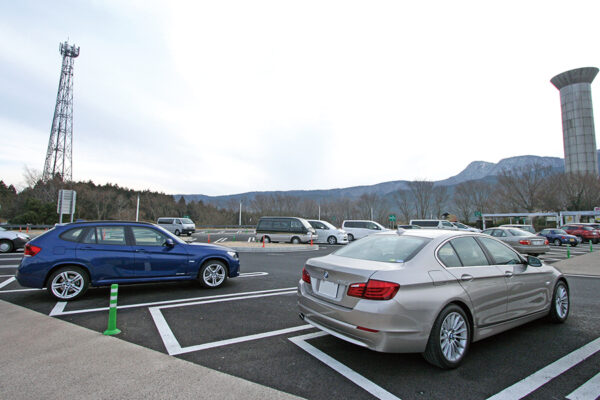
(105, 250)
(155, 259)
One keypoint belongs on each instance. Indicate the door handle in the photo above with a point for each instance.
(508, 274)
(466, 277)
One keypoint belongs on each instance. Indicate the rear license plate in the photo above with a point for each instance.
(328, 289)
(537, 242)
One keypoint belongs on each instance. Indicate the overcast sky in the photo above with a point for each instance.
(224, 97)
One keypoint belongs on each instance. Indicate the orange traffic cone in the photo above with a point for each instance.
(209, 238)
(263, 240)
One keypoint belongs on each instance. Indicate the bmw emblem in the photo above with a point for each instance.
(325, 275)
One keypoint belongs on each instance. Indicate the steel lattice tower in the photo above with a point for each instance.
(59, 157)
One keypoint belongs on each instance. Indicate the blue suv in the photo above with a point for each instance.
(69, 258)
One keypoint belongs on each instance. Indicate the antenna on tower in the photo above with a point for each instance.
(59, 157)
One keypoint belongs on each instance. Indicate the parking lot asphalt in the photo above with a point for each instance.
(249, 330)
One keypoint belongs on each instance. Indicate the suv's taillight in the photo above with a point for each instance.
(373, 290)
(31, 250)
(305, 276)
(525, 242)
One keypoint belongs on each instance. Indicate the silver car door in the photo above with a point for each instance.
(484, 283)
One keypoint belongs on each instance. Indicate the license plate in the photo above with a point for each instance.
(328, 289)
(537, 242)
(572, 240)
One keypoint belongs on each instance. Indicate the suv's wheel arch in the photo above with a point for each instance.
(54, 268)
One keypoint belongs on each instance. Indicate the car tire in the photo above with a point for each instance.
(6, 246)
(266, 239)
(295, 240)
(177, 233)
(68, 283)
(213, 274)
(332, 240)
(580, 239)
(350, 237)
(557, 242)
(560, 306)
(189, 233)
(595, 241)
(449, 339)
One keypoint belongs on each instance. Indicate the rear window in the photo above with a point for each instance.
(520, 232)
(385, 248)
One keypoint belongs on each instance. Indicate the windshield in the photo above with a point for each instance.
(519, 232)
(187, 221)
(560, 232)
(459, 225)
(2, 229)
(169, 234)
(328, 225)
(384, 248)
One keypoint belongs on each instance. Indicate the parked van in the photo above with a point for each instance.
(285, 229)
(434, 224)
(357, 229)
(328, 233)
(177, 226)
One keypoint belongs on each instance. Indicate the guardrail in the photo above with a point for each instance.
(13, 227)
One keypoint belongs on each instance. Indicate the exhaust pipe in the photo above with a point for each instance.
(301, 316)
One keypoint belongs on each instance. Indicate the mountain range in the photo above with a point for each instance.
(476, 170)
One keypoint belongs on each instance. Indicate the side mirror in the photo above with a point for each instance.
(534, 261)
(169, 242)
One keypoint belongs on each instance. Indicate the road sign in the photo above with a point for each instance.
(392, 218)
(477, 214)
(66, 203)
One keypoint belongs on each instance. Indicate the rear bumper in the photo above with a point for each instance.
(397, 330)
(532, 249)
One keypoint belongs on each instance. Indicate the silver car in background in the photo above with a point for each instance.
(522, 241)
(428, 291)
(327, 233)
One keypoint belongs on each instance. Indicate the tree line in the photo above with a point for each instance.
(528, 189)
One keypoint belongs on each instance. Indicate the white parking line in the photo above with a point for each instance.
(7, 282)
(18, 290)
(221, 240)
(172, 344)
(340, 368)
(545, 375)
(11, 259)
(9, 266)
(587, 391)
(156, 303)
(6, 276)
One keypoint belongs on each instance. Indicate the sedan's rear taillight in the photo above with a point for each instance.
(31, 250)
(305, 276)
(546, 241)
(373, 290)
(525, 242)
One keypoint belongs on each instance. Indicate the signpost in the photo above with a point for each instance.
(66, 203)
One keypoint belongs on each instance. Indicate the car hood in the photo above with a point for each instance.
(208, 246)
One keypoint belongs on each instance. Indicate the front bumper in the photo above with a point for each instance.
(19, 242)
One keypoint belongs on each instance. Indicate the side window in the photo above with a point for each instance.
(265, 224)
(72, 235)
(350, 224)
(114, 235)
(363, 225)
(295, 225)
(448, 256)
(447, 224)
(501, 254)
(178, 221)
(372, 226)
(469, 252)
(147, 237)
(90, 236)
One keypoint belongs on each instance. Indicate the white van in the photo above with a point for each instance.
(328, 233)
(434, 224)
(177, 225)
(358, 228)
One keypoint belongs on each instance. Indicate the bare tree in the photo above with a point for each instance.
(440, 199)
(521, 188)
(405, 205)
(422, 192)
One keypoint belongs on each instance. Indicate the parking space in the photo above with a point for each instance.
(250, 328)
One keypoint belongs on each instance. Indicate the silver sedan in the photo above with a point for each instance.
(523, 241)
(428, 291)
